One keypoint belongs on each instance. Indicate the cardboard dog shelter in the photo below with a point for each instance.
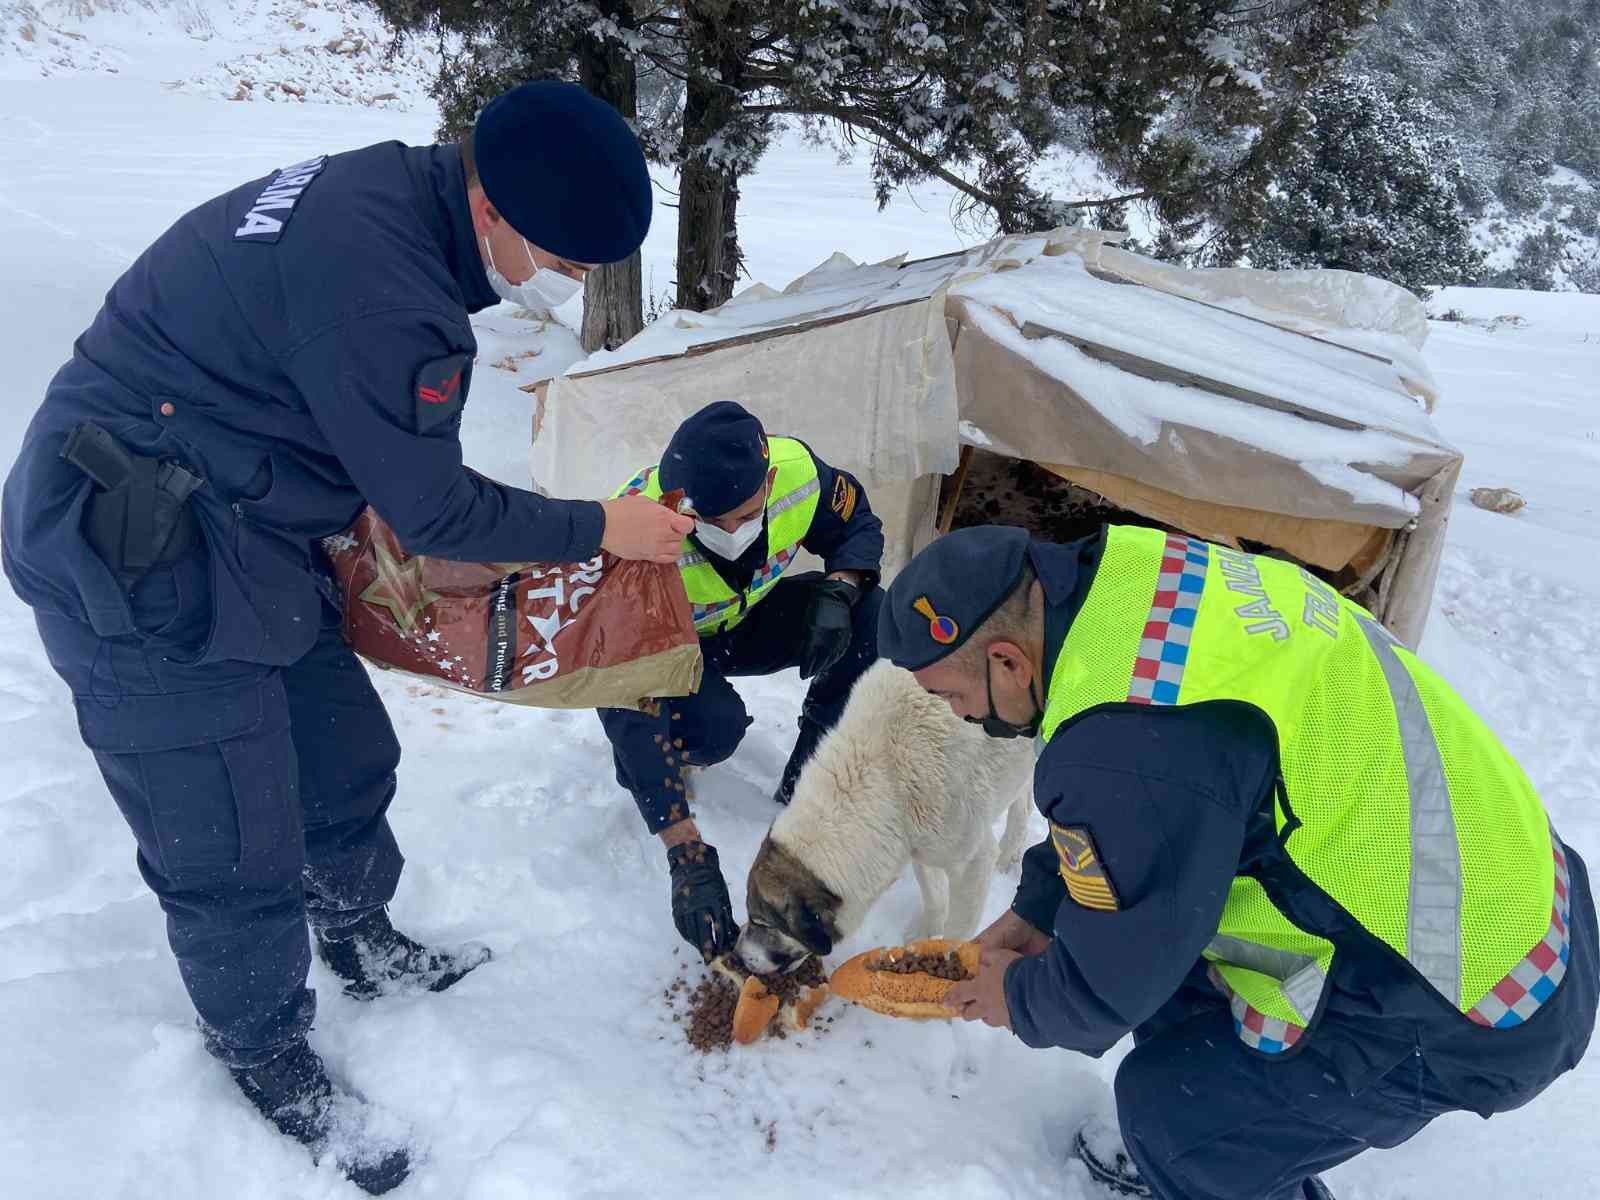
(1283, 413)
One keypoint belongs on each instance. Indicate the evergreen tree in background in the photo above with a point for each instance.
(1187, 104)
(1373, 186)
(1538, 258)
(1518, 81)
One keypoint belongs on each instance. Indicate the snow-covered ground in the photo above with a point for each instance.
(555, 1071)
(284, 51)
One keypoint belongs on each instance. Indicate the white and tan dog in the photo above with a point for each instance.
(899, 780)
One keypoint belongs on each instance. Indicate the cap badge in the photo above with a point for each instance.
(941, 629)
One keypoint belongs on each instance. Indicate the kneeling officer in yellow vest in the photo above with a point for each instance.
(1283, 854)
(758, 501)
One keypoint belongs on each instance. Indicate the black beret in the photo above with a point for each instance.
(565, 170)
(945, 593)
(719, 457)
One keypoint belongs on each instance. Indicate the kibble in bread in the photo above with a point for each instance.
(880, 979)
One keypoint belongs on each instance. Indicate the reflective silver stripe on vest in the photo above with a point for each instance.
(1299, 975)
(1433, 919)
(810, 488)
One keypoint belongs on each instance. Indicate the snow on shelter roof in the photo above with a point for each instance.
(1297, 393)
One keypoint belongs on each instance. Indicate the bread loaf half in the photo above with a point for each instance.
(755, 1011)
(871, 980)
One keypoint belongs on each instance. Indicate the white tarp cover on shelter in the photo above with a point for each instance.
(1300, 397)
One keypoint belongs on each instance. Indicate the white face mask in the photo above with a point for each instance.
(730, 545)
(541, 291)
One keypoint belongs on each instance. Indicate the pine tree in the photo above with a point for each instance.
(1539, 257)
(1373, 187)
(1185, 102)
(1518, 81)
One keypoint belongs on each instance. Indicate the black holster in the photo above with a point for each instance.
(139, 514)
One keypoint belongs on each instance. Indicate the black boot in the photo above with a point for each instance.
(1317, 1190)
(810, 734)
(293, 1091)
(1099, 1147)
(375, 959)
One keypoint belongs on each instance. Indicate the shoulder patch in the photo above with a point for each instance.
(273, 208)
(440, 389)
(1088, 881)
(844, 498)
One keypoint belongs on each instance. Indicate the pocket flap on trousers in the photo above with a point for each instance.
(140, 724)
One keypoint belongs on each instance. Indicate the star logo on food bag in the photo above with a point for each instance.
(398, 588)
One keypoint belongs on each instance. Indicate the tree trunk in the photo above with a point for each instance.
(732, 257)
(708, 190)
(702, 238)
(612, 311)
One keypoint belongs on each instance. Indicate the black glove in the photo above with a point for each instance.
(827, 626)
(700, 906)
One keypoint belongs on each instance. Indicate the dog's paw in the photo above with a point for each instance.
(1008, 861)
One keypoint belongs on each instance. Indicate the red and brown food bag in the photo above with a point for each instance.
(606, 633)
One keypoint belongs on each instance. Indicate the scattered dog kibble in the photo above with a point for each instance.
(711, 1006)
(712, 1002)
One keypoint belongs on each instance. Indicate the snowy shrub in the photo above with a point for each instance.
(1521, 188)
(1538, 258)
(1584, 215)
(1372, 187)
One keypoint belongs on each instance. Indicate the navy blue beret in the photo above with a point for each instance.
(945, 593)
(719, 457)
(565, 170)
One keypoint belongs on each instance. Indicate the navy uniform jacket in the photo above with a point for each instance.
(1178, 802)
(302, 344)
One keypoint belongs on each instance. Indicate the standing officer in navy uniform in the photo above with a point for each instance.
(282, 356)
(758, 501)
(1283, 855)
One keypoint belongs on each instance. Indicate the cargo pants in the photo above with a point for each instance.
(256, 797)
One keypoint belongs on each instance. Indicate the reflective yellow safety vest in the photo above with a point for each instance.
(791, 505)
(1397, 801)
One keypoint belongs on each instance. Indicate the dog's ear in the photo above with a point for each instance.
(812, 930)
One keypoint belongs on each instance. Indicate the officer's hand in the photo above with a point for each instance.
(640, 528)
(1011, 932)
(700, 906)
(983, 997)
(827, 626)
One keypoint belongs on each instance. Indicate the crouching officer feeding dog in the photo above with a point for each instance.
(1283, 854)
(758, 500)
(283, 355)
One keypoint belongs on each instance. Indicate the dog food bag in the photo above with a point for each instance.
(606, 633)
